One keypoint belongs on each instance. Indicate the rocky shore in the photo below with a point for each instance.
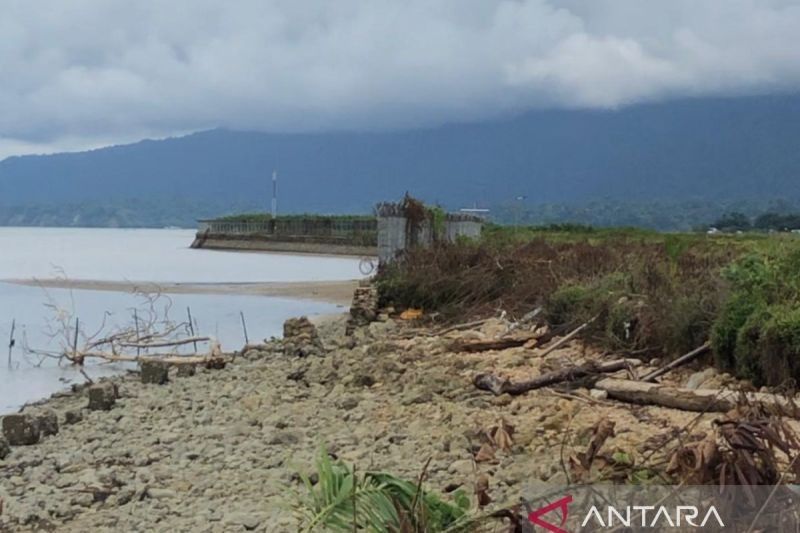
(220, 449)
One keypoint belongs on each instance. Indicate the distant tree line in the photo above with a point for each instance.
(770, 221)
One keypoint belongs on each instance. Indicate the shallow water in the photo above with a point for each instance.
(133, 255)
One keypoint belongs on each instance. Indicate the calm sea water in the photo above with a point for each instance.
(133, 255)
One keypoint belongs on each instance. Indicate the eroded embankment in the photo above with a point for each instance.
(219, 451)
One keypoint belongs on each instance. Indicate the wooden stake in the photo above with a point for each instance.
(75, 340)
(136, 322)
(191, 325)
(244, 327)
(11, 341)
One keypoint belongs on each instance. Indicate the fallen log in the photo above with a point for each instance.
(701, 400)
(497, 385)
(682, 360)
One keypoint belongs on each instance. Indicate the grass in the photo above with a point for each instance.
(653, 292)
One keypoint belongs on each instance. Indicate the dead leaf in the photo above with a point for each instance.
(502, 435)
(602, 431)
(485, 454)
(411, 314)
(482, 490)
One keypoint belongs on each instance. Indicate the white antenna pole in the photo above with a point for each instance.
(274, 193)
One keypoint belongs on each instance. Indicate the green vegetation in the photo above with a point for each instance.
(770, 222)
(650, 292)
(343, 500)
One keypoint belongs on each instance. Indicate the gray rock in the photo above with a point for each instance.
(102, 396)
(284, 437)
(247, 521)
(73, 417)
(598, 394)
(414, 396)
(186, 371)
(154, 372)
(463, 467)
(21, 429)
(697, 379)
(48, 422)
(5, 449)
(350, 402)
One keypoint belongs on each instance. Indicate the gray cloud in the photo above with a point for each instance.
(90, 72)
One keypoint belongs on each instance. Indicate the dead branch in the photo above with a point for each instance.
(460, 327)
(163, 344)
(561, 342)
(497, 385)
(682, 360)
(482, 345)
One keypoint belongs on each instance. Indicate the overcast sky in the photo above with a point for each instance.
(83, 73)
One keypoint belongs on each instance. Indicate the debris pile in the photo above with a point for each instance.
(364, 308)
(300, 338)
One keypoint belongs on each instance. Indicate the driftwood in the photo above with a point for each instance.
(701, 400)
(682, 360)
(164, 344)
(497, 385)
(213, 356)
(561, 342)
(460, 327)
(483, 345)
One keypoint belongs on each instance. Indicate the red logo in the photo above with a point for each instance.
(536, 516)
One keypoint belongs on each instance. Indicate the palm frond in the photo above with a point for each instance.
(342, 501)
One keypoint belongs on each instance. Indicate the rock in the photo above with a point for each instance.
(350, 402)
(415, 396)
(5, 449)
(186, 371)
(21, 429)
(363, 380)
(247, 521)
(154, 372)
(161, 494)
(48, 422)
(73, 417)
(598, 394)
(462, 467)
(102, 396)
(697, 379)
(285, 437)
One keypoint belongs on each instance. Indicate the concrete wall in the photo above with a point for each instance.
(392, 237)
(384, 236)
(260, 245)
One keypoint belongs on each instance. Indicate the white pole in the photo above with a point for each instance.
(274, 193)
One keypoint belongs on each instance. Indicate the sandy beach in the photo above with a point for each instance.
(337, 292)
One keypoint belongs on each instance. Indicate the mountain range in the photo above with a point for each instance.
(703, 149)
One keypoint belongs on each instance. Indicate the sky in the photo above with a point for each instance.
(89, 73)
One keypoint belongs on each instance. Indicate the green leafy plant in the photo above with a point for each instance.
(345, 500)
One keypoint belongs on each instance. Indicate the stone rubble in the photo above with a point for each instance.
(221, 450)
(364, 308)
(300, 338)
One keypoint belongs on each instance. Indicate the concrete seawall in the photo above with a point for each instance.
(236, 242)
